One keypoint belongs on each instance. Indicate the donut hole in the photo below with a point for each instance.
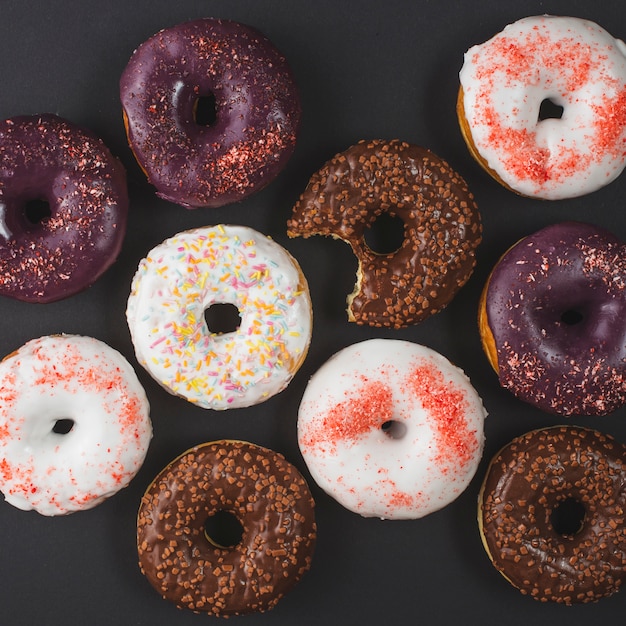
(571, 317)
(550, 110)
(223, 529)
(205, 110)
(385, 234)
(394, 429)
(222, 318)
(63, 426)
(36, 211)
(567, 517)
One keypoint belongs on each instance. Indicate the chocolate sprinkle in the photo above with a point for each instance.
(270, 499)
(442, 228)
(526, 481)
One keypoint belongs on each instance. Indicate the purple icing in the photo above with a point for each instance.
(257, 111)
(82, 186)
(556, 305)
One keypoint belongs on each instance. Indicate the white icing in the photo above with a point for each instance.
(186, 274)
(81, 379)
(434, 445)
(575, 64)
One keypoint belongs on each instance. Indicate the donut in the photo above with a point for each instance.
(181, 279)
(542, 106)
(552, 320)
(63, 208)
(246, 85)
(551, 514)
(442, 228)
(391, 429)
(74, 424)
(264, 493)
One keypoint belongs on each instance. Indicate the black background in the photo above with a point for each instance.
(386, 69)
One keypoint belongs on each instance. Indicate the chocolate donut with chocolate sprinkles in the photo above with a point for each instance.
(63, 208)
(227, 528)
(440, 221)
(552, 319)
(552, 514)
(211, 111)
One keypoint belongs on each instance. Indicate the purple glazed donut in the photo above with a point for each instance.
(256, 111)
(63, 208)
(553, 320)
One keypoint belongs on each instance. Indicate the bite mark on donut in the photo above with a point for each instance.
(442, 228)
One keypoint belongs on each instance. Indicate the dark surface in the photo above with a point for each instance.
(365, 70)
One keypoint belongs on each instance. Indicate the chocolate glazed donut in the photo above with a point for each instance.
(247, 87)
(553, 320)
(63, 208)
(265, 494)
(552, 514)
(442, 228)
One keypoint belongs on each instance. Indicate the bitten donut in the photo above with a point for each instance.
(442, 228)
(391, 429)
(74, 424)
(63, 208)
(551, 514)
(552, 319)
(265, 494)
(509, 84)
(186, 275)
(240, 74)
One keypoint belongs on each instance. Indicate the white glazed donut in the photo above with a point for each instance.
(188, 273)
(391, 429)
(571, 62)
(74, 424)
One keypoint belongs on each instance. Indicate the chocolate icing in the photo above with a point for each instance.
(257, 111)
(442, 227)
(526, 481)
(556, 306)
(48, 158)
(270, 499)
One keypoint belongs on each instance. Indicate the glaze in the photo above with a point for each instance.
(257, 111)
(442, 228)
(80, 232)
(391, 429)
(526, 485)
(188, 273)
(573, 63)
(74, 424)
(555, 306)
(264, 492)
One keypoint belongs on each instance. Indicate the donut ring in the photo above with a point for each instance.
(74, 424)
(44, 258)
(528, 482)
(391, 429)
(442, 228)
(572, 63)
(187, 274)
(264, 492)
(257, 111)
(552, 316)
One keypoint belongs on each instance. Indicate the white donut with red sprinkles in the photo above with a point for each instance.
(568, 64)
(391, 429)
(74, 424)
